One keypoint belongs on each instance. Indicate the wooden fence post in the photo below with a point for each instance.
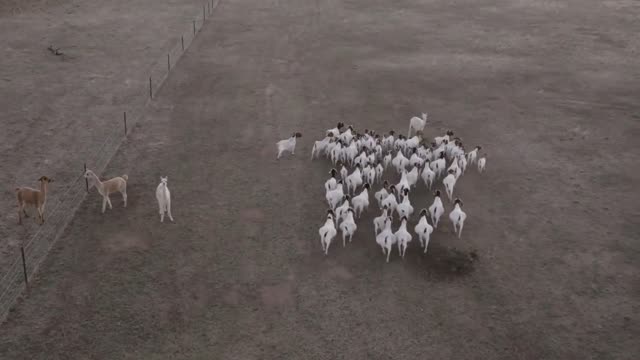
(24, 268)
(125, 123)
(86, 181)
(150, 88)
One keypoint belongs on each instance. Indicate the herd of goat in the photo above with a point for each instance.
(369, 155)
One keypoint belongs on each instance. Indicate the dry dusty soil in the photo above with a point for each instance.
(548, 88)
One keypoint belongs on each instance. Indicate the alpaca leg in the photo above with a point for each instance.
(124, 198)
(109, 202)
(169, 212)
(104, 204)
(41, 214)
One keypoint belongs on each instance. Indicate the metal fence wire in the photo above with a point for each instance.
(34, 250)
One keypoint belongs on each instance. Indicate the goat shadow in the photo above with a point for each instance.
(442, 263)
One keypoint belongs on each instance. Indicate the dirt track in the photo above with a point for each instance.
(547, 92)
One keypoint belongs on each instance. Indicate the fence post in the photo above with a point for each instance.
(24, 268)
(194, 27)
(182, 41)
(150, 89)
(86, 181)
(204, 16)
(168, 62)
(125, 123)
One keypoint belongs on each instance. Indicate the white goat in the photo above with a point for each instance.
(416, 160)
(473, 154)
(354, 180)
(348, 227)
(163, 195)
(438, 166)
(440, 139)
(320, 146)
(405, 209)
(387, 160)
(361, 201)
(388, 141)
(341, 210)
(449, 182)
(336, 130)
(462, 162)
(379, 172)
(332, 183)
(334, 196)
(436, 209)
(327, 232)
(481, 163)
(288, 145)
(403, 237)
(370, 174)
(382, 193)
(390, 202)
(412, 176)
(428, 176)
(386, 239)
(378, 222)
(344, 173)
(107, 187)
(417, 124)
(27, 196)
(457, 217)
(423, 230)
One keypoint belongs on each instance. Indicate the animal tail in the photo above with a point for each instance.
(125, 177)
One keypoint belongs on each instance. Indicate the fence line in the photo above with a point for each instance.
(31, 253)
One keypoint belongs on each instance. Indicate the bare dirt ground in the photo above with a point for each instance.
(549, 88)
(68, 103)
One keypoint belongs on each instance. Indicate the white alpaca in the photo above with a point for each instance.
(423, 230)
(118, 183)
(163, 195)
(287, 145)
(416, 124)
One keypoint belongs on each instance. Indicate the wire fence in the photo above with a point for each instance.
(34, 250)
